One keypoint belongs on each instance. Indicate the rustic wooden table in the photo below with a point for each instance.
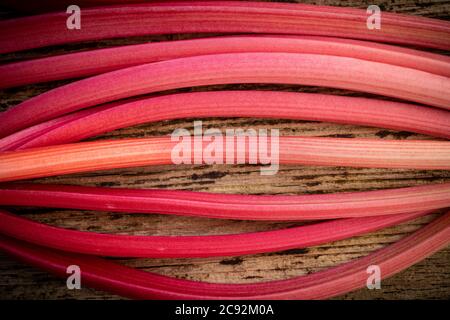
(429, 279)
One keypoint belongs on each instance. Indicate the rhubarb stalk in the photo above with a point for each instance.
(112, 277)
(220, 17)
(254, 104)
(92, 62)
(194, 246)
(126, 153)
(229, 206)
(285, 68)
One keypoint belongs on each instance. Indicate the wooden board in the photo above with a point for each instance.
(429, 279)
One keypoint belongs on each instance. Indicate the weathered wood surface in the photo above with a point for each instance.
(429, 279)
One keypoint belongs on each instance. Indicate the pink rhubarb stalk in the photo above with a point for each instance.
(88, 63)
(229, 206)
(284, 68)
(220, 17)
(254, 104)
(112, 277)
(194, 246)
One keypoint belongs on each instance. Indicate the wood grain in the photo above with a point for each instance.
(429, 279)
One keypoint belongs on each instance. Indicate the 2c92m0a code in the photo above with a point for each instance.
(246, 309)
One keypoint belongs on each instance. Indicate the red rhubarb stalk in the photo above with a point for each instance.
(88, 63)
(220, 17)
(17, 139)
(285, 68)
(229, 206)
(263, 104)
(53, 5)
(112, 277)
(194, 246)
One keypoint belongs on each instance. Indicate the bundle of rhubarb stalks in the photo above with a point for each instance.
(237, 43)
